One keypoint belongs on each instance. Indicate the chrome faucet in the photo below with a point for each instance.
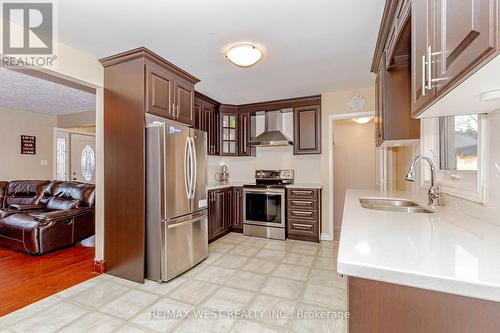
(434, 191)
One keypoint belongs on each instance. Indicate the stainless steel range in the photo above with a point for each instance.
(264, 204)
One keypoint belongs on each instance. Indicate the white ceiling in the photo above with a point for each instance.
(23, 92)
(310, 47)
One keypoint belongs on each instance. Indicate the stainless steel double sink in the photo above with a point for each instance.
(393, 205)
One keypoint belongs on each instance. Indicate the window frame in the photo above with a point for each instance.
(465, 184)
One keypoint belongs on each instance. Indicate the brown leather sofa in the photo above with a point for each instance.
(40, 216)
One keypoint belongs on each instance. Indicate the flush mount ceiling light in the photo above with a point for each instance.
(244, 54)
(362, 120)
(488, 96)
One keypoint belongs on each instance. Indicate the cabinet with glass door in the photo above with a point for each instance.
(229, 134)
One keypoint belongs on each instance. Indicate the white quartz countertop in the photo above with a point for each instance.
(216, 186)
(445, 251)
(305, 185)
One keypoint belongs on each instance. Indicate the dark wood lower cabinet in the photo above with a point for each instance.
(224, 212)
(388, 308)
(304, 214)
(217, 214)
(237, 215)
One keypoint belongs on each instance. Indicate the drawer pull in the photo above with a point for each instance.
(301, 213)
(302, 203)
(306, 227)
(302, 192)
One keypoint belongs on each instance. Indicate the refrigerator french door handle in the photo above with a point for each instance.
(190, 179)
(187, 149)
(194, 168)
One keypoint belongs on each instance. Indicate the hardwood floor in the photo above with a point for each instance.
(25, 279)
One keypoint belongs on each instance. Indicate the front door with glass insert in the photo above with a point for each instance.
(83, 158)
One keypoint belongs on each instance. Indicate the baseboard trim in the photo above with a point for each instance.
(99, 266)
(326, 237)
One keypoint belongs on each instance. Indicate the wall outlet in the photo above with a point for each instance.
(44, 162)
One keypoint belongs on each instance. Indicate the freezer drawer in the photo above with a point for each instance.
(187, 243)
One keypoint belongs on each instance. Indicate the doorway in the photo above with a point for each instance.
(35, 106)
(353, 160)
(74, 155)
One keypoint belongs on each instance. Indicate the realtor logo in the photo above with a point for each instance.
(29, 34)
(27, 28)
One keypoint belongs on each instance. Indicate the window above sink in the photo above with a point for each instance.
(456, 144)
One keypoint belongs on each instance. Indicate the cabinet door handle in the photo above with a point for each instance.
(178, 111)
(424, 81)
(429, 67)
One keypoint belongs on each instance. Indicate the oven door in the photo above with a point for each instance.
(264, 207)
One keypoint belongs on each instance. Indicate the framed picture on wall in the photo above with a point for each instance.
(28, 145)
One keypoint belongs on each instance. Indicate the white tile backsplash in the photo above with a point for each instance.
(242, 169)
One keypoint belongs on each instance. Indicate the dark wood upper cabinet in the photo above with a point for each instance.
(466, 34)
(393, 118)
(229, 136)
(379, 106)
(307, 130)
(184, 102)
(244, 129)
(159, 89)
(206, 114)
(169, 95)
(229, 127)
(449, 40)
(422, 36)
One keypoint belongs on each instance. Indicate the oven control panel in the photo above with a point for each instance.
(274, 175)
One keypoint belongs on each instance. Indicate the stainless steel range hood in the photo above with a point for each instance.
(273, 135)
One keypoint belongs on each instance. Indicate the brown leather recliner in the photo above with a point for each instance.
(21, 193)
(3, 188)
(62, 215)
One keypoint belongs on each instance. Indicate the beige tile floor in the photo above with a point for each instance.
(245, 285)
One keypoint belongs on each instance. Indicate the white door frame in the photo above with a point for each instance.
(331, 119)
(54, 146)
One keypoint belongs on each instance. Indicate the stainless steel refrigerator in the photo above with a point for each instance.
(176, 198)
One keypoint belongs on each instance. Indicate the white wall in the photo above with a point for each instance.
(13, 164)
